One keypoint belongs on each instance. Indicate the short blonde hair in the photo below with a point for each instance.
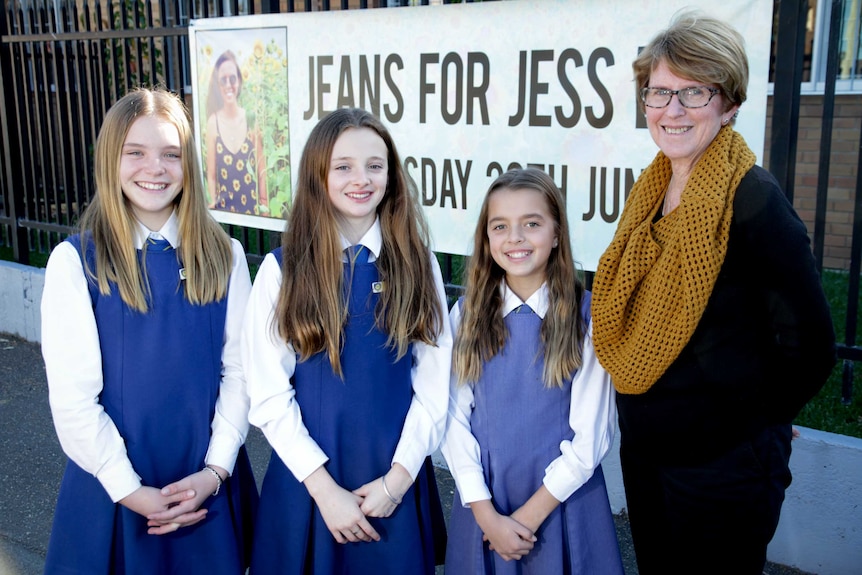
(701, 48)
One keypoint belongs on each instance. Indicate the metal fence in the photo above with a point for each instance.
(64, 62)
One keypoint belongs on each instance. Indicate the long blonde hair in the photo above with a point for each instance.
(204, 248)
(311, 310)
(482, 332)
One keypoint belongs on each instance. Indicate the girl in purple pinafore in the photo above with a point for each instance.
(347, 356)
(531, 413)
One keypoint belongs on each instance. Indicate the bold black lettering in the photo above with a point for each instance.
(369, 85)
(522, 91)
(345, 85)
(494, 170)
(602, 92)
(571, 120)
(425, 87)
(394, 60)
(307, 115)
(451, 59)
(478, 92)
(537, 87)
(592, 211)
(463, 178)
(428, 164)
(322, 87)
(447, 186)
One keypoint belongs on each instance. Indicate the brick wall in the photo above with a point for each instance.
(842, 171)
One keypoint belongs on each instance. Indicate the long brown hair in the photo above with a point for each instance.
(482, 332)
(204, 247)
(311, 310)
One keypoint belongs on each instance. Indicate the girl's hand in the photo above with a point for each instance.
(198, 487)
(508, 538)
(147, 501)
(376, 503)
(536, 509)
(339, 509)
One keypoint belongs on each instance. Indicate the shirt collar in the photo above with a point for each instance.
(373, 240)
(538, 302)
(170, 231)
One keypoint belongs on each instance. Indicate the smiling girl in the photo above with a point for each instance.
(347, 356)
(140, 319)
(532, 413)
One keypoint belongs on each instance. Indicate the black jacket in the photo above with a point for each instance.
(764, 346)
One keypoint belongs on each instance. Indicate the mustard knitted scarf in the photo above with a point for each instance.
(655, 278)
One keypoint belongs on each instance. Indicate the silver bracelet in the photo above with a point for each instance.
(386, 491)
(218, 478)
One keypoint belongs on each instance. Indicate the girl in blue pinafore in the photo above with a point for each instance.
(347, 353)
(531, 413)
(141, 315)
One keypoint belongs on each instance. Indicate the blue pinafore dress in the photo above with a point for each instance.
(357, 422)
(161, 375)
(519, 424)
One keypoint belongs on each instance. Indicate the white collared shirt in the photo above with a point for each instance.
(592, 417)
(73, 361)
(270, 363)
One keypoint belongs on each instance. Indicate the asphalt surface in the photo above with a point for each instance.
(32, 463)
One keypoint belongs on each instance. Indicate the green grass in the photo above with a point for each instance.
(826, 411)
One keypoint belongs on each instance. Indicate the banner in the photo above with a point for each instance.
(468, 91)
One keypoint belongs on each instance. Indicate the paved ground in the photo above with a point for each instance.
(31, 465)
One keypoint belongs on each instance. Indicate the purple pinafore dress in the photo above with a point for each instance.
(519, 424)
(161, 382)
(357, 422)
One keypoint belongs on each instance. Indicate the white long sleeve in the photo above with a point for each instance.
(269, 364)
(592, 418)
(73, 363)
(230, 421)
(426, 419)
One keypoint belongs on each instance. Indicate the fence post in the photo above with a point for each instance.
(13, 170)
(826, 133)
(789, 52)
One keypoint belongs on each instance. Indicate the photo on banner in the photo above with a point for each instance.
(242, 119)
(471, 90)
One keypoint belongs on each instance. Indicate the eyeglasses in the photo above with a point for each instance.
(694, 97)
(225, 80)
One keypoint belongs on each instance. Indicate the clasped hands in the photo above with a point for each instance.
(510, 536)
(175, 505)
(346, 512)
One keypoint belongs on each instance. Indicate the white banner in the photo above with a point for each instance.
(469, 91)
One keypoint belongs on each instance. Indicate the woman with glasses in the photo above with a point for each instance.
(235, 165)
(709, 315)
